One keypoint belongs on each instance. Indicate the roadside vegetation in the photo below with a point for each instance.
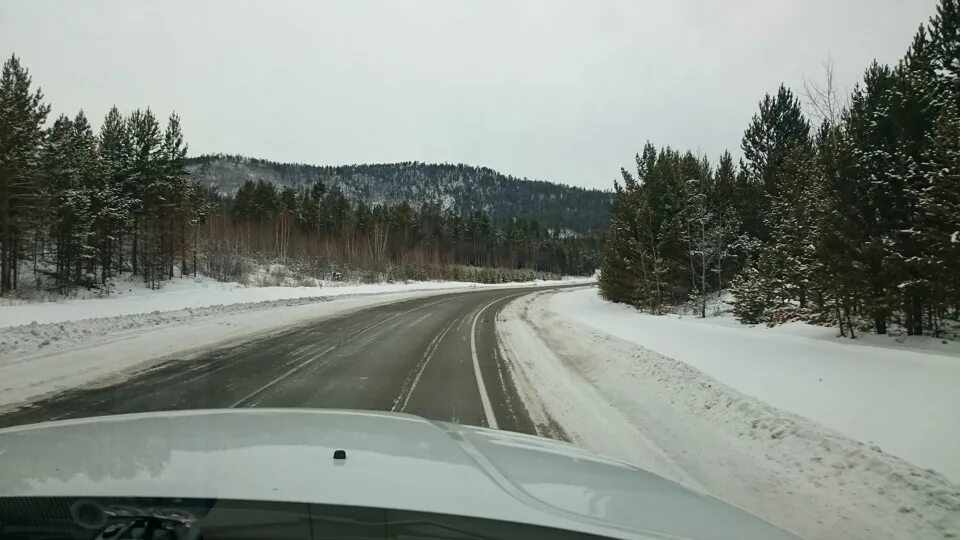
(79, 208)
(847, 216)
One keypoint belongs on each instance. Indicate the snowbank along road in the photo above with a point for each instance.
(435, 357)
(599, 371)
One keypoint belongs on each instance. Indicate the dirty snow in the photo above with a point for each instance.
(578, 363)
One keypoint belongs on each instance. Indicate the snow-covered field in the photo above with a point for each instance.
(50, 346)
(828, 438)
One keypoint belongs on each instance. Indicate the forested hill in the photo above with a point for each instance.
(461, 188)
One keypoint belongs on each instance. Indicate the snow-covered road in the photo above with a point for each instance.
(725, 409)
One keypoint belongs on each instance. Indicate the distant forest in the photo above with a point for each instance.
(462, 189)
(853, 221)
(78, 208)
(316, 227)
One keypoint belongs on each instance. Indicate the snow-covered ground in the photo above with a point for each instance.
(905, 400)
(51, 346)
(828, 438)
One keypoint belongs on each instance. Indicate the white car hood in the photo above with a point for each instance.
(393, 461)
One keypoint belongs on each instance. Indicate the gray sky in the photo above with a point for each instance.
(552, 90)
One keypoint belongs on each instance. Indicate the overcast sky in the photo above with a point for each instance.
(560, 91)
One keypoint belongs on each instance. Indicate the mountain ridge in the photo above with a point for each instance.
(459, 187)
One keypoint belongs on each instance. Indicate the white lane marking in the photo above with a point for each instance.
(484, 398)
(281, 377)
(420, 320)
(427, 355)
(301, 365)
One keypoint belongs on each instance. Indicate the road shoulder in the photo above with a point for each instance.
(619, 399)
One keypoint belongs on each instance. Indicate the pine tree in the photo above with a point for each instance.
(667, 239)
(178, 210)
(860, 223)
(617, 282)
(60, 183)
(731, 245)
(868, 197)
(795, 221)
(938, 194)
(777, 129)
(750, 296)
(704, 232)
(838, 279)
(945, 48)
(913, 110)
(118, 195)
(90, 191)
(144, 189)
(939, 203)
(22, 115)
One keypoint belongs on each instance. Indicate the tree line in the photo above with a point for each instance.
(311, 226)
(847, 216)
(76, 207)
(79, 207)
(464, 188)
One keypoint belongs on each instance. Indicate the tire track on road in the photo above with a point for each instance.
(410, 383)
(247, 399)
(490, 416)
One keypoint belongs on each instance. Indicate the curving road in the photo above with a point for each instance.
(435, 357)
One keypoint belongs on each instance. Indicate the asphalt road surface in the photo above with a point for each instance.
(435, 357)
